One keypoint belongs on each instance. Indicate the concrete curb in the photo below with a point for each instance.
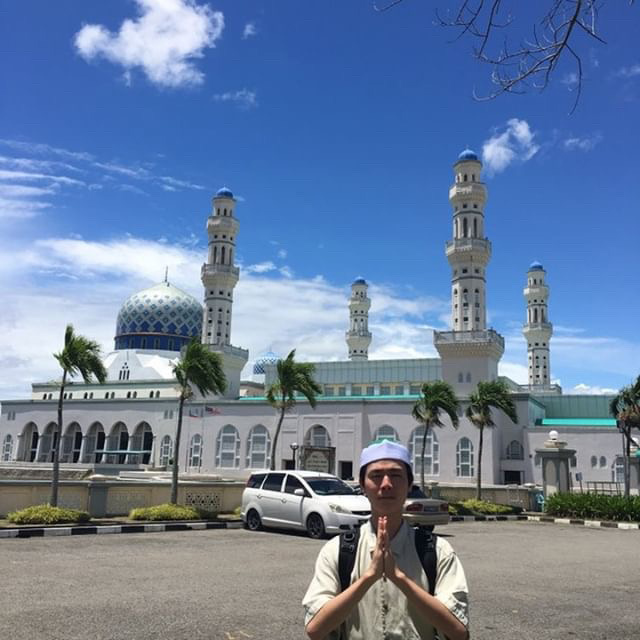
(485, 518)
(607, 524)
(40, 532)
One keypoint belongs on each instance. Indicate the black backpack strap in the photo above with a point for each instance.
(347, 556)
(426, 548)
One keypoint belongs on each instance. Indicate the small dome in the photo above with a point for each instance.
(160, 317)
(468, 154)
(224, 193)
(536, 266)
(359, 281)
(266, 358)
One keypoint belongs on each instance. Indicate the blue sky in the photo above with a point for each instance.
(336, 127)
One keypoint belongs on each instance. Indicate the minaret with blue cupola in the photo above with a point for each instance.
(537, 330)
(358, 336)
(470, 352)
(219, 277)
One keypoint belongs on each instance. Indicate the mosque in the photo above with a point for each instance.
(130, 421)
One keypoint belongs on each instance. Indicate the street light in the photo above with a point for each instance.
(294, 448)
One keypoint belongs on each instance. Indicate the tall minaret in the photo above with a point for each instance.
(470, 352)
(537, 330)
(358, 336)
(219, 277)
(469, 251)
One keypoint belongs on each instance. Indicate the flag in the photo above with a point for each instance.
(212, 411)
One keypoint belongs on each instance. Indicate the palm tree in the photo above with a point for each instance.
(79, 356)
(292, 377)
(493, 394)
(202, 368)
(436, 397)
(625, 407)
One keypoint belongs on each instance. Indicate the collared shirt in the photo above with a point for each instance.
(403, 621)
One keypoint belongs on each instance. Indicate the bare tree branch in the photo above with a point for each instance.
(533, 62)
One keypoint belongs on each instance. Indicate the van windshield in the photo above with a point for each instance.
(329, 487)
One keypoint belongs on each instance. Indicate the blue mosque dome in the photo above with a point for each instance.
(359, 281)
(467, 154)
(224, 193)
(160, 317)
(536, 266)
(266, 358)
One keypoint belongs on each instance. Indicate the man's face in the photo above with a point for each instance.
(386, 485)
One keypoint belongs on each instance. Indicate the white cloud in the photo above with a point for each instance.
(249, 30)
(514, 144)
(282, 253)
(179, 184)
(586, 389)
(244, 98)
(516, 372)
(35, 177)
(261, 267)
(587, 143)
(570, 80)
(163, 41)
(631, 71)
(40, 149)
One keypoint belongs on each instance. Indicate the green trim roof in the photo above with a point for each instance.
(576, 422)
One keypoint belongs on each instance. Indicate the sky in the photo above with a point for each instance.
(336, 126)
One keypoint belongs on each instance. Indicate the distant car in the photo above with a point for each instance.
(319, 503)
(425, 512)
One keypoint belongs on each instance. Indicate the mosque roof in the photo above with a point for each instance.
(359, 281)
(536, 266)
(468, 154)
(264, 359)
(224, 193)
(160, 310)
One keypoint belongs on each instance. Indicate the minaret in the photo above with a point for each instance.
(537, 330)
(358, 336)
(469, 352)
(469, 251)
(219, 277)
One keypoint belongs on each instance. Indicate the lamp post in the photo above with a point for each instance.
(294, 448)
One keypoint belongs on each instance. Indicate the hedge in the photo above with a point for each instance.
(594, 506)
(170, 512)
(46, 514)
(473, 507)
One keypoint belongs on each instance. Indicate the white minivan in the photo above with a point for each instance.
(319, 503)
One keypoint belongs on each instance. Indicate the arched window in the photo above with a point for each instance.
(215, 254)
(594, 461)
(468, 376)
(222, 255)
(535, 315)
(230, 256)
(475, 227)
(7, 448)
(94, 444)
(461, 377)
(228, 448)
(71, 443)
(431, 452)
(464, 458)
(258, 448)
(603, 462)
(465, 228)
(166, 451)
(317, 436)
(456, 227)
(195, 451)
(515, 451)
(386, 431)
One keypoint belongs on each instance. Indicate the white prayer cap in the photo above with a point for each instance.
(385, 450)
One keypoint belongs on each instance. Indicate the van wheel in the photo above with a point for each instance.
(253, 521)
(315, 526)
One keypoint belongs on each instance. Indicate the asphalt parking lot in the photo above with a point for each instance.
(528, 581)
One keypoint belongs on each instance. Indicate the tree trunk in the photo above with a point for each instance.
(627, 461)
(55, 476)
(424, 446)
(272, 466)
(176, 454)
(479, 476)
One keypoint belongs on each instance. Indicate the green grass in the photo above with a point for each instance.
(170, 512)
(594, 506)
(474, 507)
(46, 514)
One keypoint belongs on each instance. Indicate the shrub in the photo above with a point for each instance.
(170, 512)
(46, 514)
(593, 506)
(486, 508)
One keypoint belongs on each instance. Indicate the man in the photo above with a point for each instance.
(388, 597)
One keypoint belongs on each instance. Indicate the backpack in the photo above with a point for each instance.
(425, 546)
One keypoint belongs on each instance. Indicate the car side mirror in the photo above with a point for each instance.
(299, 492)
